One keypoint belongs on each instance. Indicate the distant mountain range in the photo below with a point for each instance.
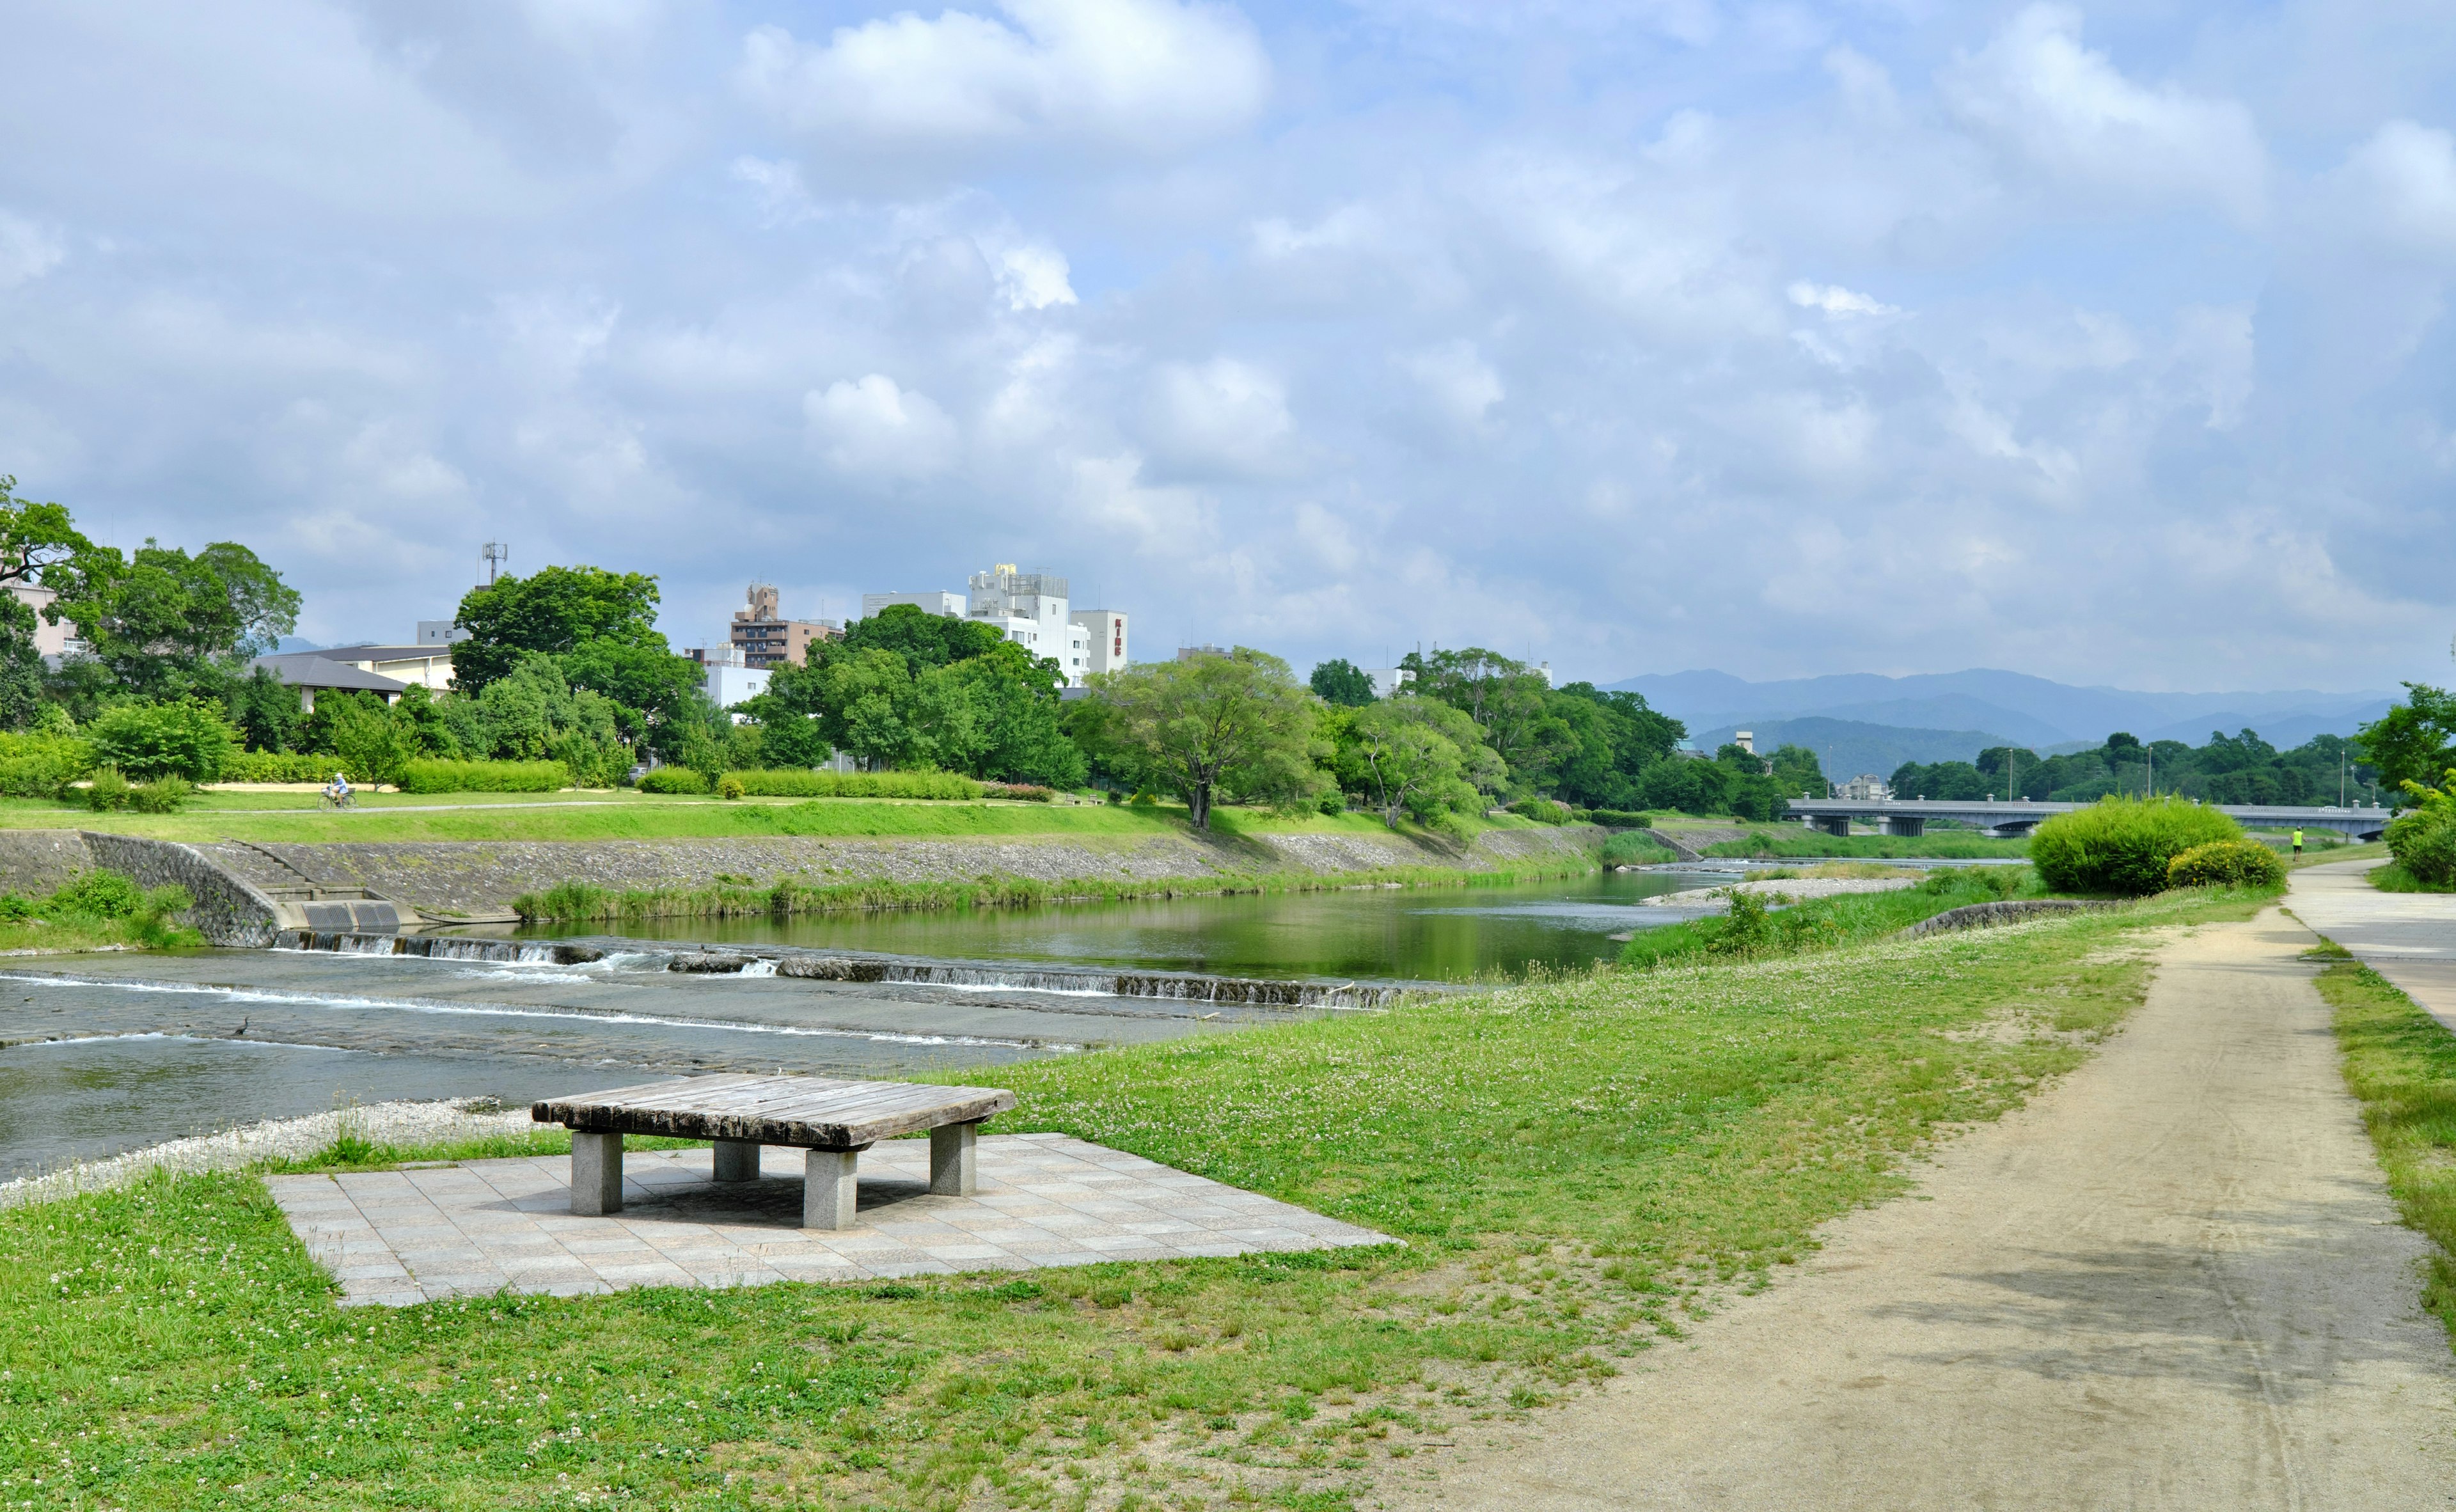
(1955, 715)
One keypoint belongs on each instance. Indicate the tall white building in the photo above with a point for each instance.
(1031, 609)
(950, 605)
(1105, 630)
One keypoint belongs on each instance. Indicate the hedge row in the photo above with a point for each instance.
(484, 777)
(793, 783)
(278, 767)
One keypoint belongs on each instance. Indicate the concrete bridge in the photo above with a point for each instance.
(2004, 820)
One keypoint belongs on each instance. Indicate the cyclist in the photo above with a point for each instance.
(336, 792)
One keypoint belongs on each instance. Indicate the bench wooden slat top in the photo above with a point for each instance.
(808, 1113)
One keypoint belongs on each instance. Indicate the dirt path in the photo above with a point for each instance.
(2173, 1281)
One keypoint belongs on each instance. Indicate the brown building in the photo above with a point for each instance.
(765, 638)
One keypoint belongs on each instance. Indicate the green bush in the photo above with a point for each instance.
(98, 896)
(2226, 864)
(278, 766)
(1035, 793)
(2424, 842)
(484, 777)
(675, 780)
(109, 790)
(1617, 818)
(145, 741)
(42, 765)
(163, 795)
(1542, 811)
(2123, 846)
(788, 782)
(729, 785)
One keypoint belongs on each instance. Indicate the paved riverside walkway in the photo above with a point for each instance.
(401, 1237)
(2173, 1280)
(2407, 937)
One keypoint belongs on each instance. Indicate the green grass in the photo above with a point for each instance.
(505, 816)
(1577, 1167)
(1791, 841)
(578, 901)
(1826, 923)
(2401, 1063)
(2394, 878)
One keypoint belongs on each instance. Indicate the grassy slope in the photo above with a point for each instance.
(1574, 1165)
(2402, 1064)
(1851, 918)
(2394, 878)
(650, 818)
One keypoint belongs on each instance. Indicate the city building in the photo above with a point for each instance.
(1388, 679)
(1031, 608)
(766, 639)
(1105, 640)
(427, 665)
(1865, 788)
(441, 632)
(50, 639)
(312, 672)
(950, 605)
(726, 676)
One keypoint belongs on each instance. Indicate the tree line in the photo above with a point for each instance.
(2238, 768)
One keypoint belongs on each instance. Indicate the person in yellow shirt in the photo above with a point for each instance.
(2298, 840)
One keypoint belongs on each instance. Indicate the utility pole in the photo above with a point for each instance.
(495, 553)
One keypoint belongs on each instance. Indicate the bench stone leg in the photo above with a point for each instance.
(955, 1162)
(737, 1161)
(596, 1173)
(829, 1188)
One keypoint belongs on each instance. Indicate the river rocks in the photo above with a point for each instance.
(708, 962)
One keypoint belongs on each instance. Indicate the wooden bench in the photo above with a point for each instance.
(833, 1120)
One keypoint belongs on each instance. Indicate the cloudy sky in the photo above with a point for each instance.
(2108, 344)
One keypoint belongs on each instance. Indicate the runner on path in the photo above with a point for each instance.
(2173, 1281)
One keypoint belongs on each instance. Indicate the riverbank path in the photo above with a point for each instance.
(2407, 937)
(2173, 1281)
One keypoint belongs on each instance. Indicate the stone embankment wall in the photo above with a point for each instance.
(229, 909)
(446, 880)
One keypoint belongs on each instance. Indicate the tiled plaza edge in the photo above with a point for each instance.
(483, 1227)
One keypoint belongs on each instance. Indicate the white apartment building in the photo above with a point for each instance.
(1387, 681)
(1105, 630)
(1031, 609)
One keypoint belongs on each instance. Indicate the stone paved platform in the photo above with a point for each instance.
(399, 1238)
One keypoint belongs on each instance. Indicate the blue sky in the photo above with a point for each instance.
(2107, 344)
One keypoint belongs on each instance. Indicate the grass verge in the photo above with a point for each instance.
(2394, 878)
(583, 902)
(2401, 1063)
(1792, 842)
(1577, 1167)
(1752, 930)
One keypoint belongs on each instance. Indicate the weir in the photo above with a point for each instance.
(1165, 987)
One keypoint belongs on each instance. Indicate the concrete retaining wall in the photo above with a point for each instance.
(1980, 915)
(227, 909)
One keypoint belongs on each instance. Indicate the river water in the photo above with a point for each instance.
(109, 1051)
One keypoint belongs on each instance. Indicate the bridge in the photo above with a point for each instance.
(2007, 818)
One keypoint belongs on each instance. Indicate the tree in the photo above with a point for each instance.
(145, 741)
(554, 611)
(1420, 758)
(33, 538)
(924, 640)
(1341, 683)
(1510, 703)
(2415, 740)
(1008, 719)
(1234, 727)
(169, 625)
(266, 711)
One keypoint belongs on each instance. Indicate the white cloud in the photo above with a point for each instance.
(876, 428)
(26, 251)
(2068, 113)
(1220, 418)
(2404, 183)
(1139, 78)
(1835, 301)
(1461, 383)
(1032, 278)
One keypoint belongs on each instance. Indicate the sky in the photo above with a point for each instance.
(2104, 343)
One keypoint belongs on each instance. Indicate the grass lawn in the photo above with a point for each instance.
(563, 816)
(2401, 1063)
(1577, 1167)
(1791, 840)
(2394, 878)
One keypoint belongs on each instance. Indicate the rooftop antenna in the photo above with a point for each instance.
(495, 553)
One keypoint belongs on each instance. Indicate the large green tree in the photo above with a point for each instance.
(2414, 742)
(34, 537)
(1418, 757)
(1341, 685)
(1228, 728)
(554, 611)
(169, 626)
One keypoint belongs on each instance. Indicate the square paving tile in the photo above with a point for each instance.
(400, 1238)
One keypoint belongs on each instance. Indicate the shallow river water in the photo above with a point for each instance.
(100, 1053)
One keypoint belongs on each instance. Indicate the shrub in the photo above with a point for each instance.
(729, 785)
(2123, 846)
(1542, 811)
(791, 783)
(2226, 864)
(162, 739)
(674, 780)
(1035, 793)
(163, 795)
(2422, 839)
(278, 766)
(41, 766)
(98, 896)
(1617, 818)
(484, 777)
(109, 790)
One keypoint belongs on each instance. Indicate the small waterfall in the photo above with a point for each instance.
(447, 947)
(1262, 992)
